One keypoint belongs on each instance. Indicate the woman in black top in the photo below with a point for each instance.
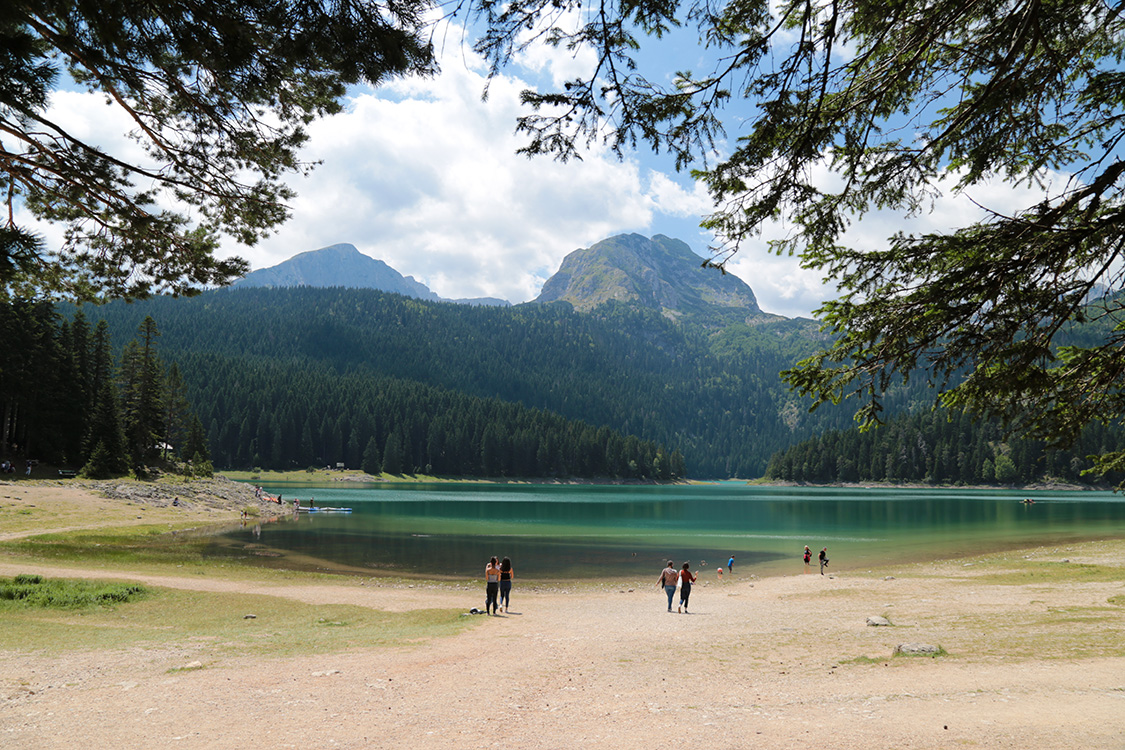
(506, 573)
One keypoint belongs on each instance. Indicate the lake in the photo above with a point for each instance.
(562, 532)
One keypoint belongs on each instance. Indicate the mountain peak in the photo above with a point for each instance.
(660, 273)
(342, 265)
(337, 265)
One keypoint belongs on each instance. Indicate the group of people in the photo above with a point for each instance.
(498, 581)
(498, 586)
(823, 559)
(670, 578)
(9, 467)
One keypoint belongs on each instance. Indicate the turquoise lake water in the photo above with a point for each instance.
(560, 532)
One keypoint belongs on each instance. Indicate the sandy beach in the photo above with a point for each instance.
(1033, 657)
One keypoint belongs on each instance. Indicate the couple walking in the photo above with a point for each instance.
(497, 585)
(668, 578)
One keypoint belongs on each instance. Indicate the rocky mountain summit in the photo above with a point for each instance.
(660, 273)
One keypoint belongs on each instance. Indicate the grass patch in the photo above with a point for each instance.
(123, 545)
(1118, 600)
(931, 655)
(1076, 616)
(34, 591)
(1052, 572)
(189, 668)
(211, 626)
(864, 661)
(1058, 633)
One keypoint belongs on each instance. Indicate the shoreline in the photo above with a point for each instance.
(1032, 652)
(331, 477)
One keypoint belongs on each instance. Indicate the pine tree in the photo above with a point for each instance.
(142, 385)
(108, 458)
(178, 415)
(195, 442)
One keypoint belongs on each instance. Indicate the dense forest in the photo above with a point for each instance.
(67, 401)
(279, 417)
(940, 447)
(291, 378)
(717, 401)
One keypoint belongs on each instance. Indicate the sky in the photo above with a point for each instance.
(424, 175)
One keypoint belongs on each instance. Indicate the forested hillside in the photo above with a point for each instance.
(66, 401)
(631, 371)
(939, 447)
(264, 415)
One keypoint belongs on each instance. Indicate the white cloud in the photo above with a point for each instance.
(424, 176)
(557, 63)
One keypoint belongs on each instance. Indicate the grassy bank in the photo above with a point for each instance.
(221, 624)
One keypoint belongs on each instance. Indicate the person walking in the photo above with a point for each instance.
(730, 564)
(667, 579)
(506, 573)
(686, 580)
(823, 560)
(808, 559)
(491, 586)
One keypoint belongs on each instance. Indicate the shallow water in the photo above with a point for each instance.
(558, 532)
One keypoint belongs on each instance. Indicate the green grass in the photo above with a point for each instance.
(864, 661)
(120, 545)
(33, 591)
(940, 652)
(213, 626)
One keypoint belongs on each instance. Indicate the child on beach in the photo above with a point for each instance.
(808, 558)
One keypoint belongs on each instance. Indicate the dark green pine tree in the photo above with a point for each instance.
(371, 463)
(392, 454)
(108, 458)
(84, 395)
(142, 385)
(195, 441)
(178, 416)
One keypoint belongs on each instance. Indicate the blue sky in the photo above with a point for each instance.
(424, 175)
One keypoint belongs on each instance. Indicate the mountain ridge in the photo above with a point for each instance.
(343, 265)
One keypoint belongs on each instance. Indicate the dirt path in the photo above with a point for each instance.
(759, 663)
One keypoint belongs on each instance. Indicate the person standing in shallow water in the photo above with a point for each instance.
(730, 564)
(686, 580)
(808, 558)
(491, 586)
(823, 560)
(506, 573)
(667, 579)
